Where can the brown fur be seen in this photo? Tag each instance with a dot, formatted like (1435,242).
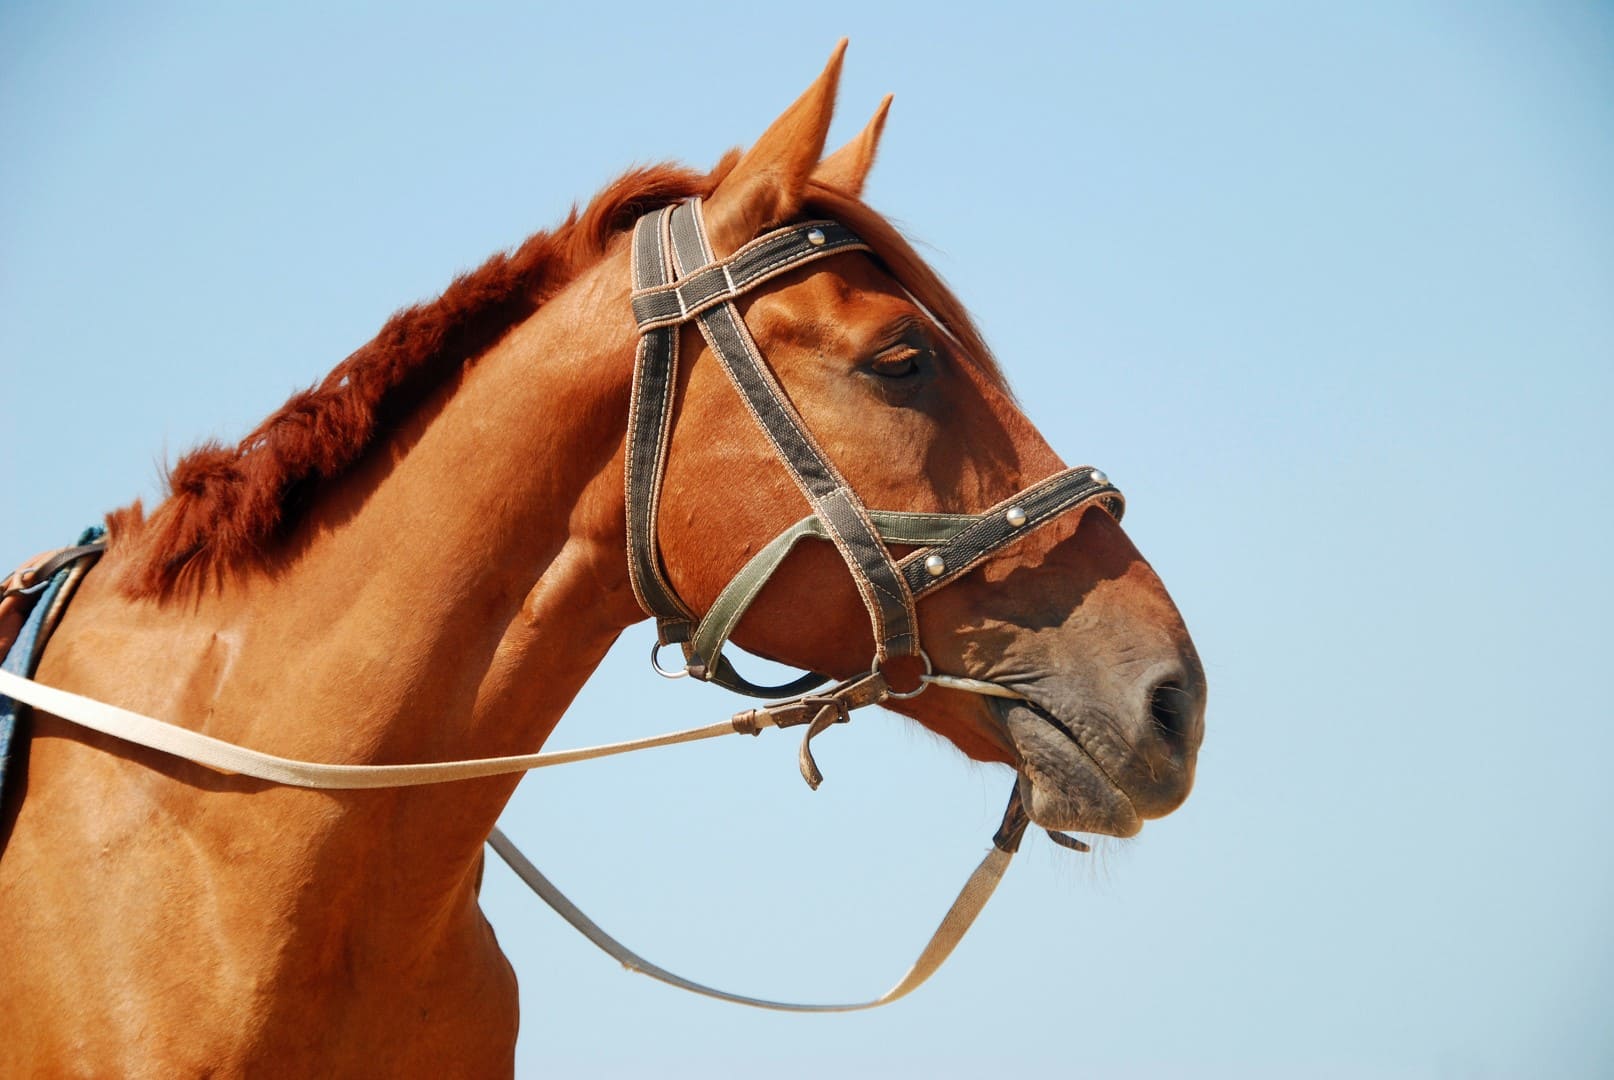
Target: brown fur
(907,267)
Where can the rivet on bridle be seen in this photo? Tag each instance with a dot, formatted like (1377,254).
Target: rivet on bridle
(1098,477)
(934,566)
(815,237)
(1015,516)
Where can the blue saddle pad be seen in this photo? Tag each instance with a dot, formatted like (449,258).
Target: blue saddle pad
(23,658)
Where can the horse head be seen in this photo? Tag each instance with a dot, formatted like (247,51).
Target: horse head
(893,382)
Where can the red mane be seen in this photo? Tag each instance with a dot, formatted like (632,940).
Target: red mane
(227,505)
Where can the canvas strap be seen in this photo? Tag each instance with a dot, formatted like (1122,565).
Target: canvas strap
(655,377)
(677,280)
(954,925)
(960,541)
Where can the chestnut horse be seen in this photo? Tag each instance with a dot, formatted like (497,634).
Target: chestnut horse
(422,558)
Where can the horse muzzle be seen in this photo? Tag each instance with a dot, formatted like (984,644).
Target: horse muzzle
(1105,759)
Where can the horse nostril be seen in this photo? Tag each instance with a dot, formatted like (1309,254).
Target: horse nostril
(1171,708)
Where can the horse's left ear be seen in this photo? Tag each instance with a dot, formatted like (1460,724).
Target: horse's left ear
(766,187)
(847,168)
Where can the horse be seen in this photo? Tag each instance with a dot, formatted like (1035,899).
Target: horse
(422,557)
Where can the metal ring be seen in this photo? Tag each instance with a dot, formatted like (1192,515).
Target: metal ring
(663,672)
(923,684)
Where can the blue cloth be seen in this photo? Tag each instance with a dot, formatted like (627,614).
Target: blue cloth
(23,659)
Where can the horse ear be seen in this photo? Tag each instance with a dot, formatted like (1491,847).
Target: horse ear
(766,187)
(847,168)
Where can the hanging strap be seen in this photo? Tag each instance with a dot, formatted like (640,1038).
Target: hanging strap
(954,925)
(816,711)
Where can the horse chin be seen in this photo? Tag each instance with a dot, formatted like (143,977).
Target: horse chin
(1061,784)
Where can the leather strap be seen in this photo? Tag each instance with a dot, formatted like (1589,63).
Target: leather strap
(977,890)
(766,257)
(655,377)
(228,757)
(30,579)
(992,530)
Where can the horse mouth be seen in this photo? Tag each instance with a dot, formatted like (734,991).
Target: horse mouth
(1063,783)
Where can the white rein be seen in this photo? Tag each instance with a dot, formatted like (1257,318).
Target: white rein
(229,757)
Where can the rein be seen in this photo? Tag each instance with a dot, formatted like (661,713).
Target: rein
(228,757)
(677,280)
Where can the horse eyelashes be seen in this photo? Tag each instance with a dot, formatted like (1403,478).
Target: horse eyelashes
(897,363)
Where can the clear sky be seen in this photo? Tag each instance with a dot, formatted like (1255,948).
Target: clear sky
(1328,289)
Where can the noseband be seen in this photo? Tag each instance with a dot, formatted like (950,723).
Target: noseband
(677,280)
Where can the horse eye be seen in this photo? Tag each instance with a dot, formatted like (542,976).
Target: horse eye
(896,363)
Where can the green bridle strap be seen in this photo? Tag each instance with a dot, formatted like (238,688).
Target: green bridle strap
(893,527)
(946,547)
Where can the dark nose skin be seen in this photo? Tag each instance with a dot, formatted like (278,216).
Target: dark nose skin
(1176,711)
(1166,730)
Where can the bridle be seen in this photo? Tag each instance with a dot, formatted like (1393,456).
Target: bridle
(677,280)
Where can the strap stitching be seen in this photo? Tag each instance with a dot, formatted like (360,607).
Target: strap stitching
(775,395)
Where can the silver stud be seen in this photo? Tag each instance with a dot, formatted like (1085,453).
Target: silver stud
(934,566)
(1015,516)
(1099,478)
(815,237)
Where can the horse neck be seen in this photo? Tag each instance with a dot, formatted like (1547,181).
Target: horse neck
(469,576)
(446,599)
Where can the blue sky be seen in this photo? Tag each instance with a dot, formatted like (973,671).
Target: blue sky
(1328,290)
